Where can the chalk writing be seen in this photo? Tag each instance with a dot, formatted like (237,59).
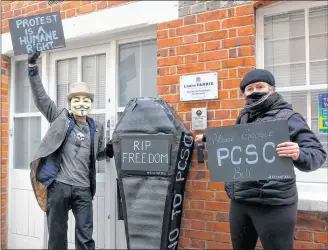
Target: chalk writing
(251,157)
(217,139)
(256,135)
(146,157)
(151,155)
(242,173)
(40,32)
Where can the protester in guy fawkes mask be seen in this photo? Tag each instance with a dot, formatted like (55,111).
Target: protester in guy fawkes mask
(267,209)
(63,174)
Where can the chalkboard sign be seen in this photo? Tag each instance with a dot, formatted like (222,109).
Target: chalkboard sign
(248,152)
(39,32)
(146,154)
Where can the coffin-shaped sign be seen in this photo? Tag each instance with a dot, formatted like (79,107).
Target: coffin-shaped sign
(152,151)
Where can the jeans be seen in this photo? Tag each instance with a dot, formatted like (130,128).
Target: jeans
(62,198)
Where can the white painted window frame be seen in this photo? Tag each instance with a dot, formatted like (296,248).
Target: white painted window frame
(312,186)
(125,41)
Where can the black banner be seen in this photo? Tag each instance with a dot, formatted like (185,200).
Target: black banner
(179,181)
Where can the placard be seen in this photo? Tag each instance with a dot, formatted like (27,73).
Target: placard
(198,118)
(39,32)
(248,152)
(199,87)
(150,154)
(323,113)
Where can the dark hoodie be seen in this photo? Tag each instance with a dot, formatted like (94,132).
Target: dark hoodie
(312,157)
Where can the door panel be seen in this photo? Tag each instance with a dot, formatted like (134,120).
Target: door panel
(26,219)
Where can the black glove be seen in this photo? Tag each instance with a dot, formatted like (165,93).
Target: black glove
(109,149)
(33,57)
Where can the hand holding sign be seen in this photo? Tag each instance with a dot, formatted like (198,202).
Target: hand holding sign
(289,149)
(32,58)
(199,138)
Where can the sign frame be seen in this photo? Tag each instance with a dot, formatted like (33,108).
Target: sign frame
(202,86)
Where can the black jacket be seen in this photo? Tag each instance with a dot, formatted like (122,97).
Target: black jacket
(282,192)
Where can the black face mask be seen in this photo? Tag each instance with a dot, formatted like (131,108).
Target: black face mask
(255,97)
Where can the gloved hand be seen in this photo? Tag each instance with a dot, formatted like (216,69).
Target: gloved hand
(33,57)
(109,149)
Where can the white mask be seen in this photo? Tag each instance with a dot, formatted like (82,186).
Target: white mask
(81,105)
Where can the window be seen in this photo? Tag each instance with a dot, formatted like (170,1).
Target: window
(94,73)
(293,45)
(27,119)
(66,75)
(137,70)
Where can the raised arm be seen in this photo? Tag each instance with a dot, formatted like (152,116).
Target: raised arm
(41,99)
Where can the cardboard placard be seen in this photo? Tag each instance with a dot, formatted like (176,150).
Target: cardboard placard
(247,152)
(40,32)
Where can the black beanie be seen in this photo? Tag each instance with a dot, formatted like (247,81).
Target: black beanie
(257,75)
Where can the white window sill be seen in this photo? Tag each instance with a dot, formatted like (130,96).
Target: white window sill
(312,196)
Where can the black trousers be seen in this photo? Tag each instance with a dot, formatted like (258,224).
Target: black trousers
(274,225)
(62,198)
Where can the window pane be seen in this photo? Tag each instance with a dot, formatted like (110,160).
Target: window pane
(284,48)
(314,120)
(94,73)
(100,165)
(149,69)
(66,75)
(27,138)
(298,101)
(288,75)
(318,29)
(22,93)
(137,70)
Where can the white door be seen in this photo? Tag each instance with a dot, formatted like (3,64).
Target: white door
(88,65)
(136,76)
(26,220)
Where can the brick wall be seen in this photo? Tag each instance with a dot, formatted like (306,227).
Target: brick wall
(4,145)
(68,9)
(223,41)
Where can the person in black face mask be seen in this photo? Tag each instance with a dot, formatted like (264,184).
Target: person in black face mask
(268,209)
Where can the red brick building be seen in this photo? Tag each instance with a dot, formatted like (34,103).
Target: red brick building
(230,38)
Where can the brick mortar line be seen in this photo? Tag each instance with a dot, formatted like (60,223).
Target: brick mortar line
(207,31)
